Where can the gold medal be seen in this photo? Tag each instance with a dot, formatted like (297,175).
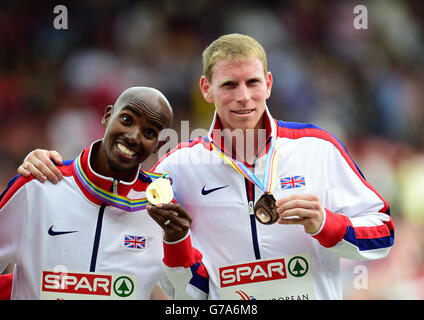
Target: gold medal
(265,209)
(159,191)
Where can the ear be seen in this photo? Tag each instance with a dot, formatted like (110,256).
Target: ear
(268,81)
(205,87)
(107,115)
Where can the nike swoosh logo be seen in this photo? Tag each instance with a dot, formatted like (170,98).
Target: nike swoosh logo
(58,233)
(205,192)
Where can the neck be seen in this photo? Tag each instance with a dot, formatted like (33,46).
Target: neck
(245,144)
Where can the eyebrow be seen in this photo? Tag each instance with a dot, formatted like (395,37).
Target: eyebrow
(232,81)
(133,110)
(228,82)
(156,124)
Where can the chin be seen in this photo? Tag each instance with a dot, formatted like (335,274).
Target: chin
(116,166)
(245,125)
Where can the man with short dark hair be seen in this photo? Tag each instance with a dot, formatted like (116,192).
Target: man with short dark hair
(89,236)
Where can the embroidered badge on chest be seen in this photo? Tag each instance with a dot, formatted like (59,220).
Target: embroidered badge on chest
(292,182)
(134,242)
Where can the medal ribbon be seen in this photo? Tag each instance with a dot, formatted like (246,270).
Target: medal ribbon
(268,181)
(108,197)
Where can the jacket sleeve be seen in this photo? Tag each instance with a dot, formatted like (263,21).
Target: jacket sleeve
(357,222)
(187,277)
(6,281)
(13,213)
(184,269)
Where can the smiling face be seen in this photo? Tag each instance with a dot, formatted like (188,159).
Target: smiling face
(132,131)
(239,90)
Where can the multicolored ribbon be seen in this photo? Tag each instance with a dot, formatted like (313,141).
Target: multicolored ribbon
(108,197)
(268,181)
(154,175)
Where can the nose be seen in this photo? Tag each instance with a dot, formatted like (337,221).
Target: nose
(243,94)
(134,135)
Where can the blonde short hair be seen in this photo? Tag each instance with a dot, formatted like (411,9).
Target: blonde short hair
(235,47)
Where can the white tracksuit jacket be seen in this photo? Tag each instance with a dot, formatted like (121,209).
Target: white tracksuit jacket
(64,240)
(245,259)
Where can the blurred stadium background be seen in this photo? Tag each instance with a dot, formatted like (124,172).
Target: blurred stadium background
(365,86)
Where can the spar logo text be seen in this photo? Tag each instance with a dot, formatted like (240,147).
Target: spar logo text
(81,283)
(252,272)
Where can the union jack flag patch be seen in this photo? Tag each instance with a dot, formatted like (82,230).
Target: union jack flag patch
(292,182)
(134,242)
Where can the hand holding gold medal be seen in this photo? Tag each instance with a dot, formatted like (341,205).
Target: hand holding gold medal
(172,217)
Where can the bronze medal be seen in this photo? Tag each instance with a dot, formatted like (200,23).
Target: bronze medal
(265,209)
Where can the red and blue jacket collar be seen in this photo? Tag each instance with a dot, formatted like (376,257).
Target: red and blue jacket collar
(104,182)
(102,189)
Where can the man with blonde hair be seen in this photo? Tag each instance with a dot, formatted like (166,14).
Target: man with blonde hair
(300,176)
